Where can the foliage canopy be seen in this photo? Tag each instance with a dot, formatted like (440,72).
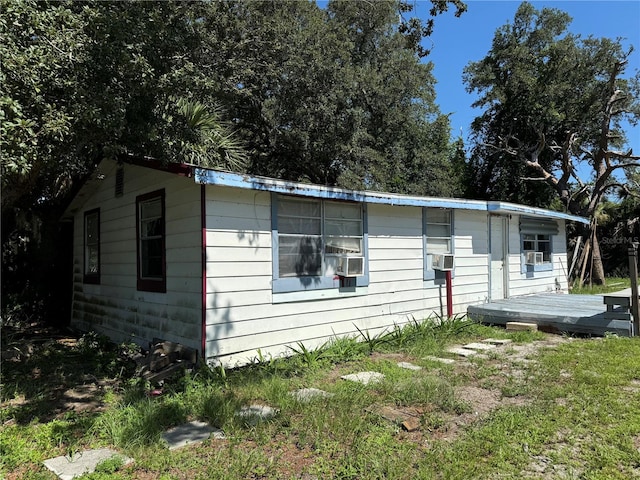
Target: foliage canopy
(336,96)
(553,103)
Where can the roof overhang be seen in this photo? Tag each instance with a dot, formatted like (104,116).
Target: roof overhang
(215,177)
(507,208)
(207,176)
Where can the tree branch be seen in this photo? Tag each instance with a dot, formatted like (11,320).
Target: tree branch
(534,179)
(625,156)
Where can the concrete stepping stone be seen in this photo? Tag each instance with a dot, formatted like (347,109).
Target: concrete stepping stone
(365,378)
(409,366)
(463,352)
(479,346)
(446,361)
(254,414)
(190,433)
(68,467)
(497,341)
(305,395)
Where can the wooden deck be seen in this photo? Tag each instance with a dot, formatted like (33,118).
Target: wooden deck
(584,314)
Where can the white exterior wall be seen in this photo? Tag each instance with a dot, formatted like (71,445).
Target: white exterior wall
(243,314)
(555,280)
(115,307)
(471,249)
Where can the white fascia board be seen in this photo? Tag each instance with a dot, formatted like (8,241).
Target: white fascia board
(214,177)
(514,208)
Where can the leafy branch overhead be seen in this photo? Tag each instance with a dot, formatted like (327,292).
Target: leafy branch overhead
(287,89)
(205,138)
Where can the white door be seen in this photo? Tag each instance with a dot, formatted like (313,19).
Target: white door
(498,277)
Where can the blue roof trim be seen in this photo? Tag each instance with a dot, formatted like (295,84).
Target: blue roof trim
(506,207)
(214,177)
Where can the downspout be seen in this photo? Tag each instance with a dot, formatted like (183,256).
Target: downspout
(203,227)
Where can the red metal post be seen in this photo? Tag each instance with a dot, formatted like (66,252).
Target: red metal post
(449,295)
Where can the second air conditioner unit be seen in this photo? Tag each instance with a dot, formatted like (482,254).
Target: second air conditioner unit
(443,261)
(533,258)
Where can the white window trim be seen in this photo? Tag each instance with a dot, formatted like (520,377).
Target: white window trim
(543,267)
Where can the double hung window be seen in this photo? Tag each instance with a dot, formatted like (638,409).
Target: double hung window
(437,227)
(310,237)
(536,240)
(151,242)
(92,246)
(538,243)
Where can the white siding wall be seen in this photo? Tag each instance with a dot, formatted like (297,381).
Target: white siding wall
(115,307)
(539,282)
(471,281)
(243,315)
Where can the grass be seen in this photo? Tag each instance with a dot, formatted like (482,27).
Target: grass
(613,284)
(565,412)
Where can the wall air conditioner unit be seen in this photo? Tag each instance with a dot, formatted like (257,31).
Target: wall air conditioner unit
(350,266)
(533,258)
(444,262)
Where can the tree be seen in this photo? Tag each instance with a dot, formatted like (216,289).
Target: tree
(317,94)
(336,96)
(81,82)
(553,102)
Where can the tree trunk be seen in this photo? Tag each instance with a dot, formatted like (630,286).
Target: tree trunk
(597,268)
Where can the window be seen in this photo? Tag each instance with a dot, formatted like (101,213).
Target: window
(310,237)
(92,246)
(151,242)
(536,239)
(437,227)
(538,243)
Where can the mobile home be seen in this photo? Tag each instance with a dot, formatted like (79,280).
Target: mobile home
(228,264)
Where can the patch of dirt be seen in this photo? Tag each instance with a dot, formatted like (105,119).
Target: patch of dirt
(508,363)
(48,373)
(392,357)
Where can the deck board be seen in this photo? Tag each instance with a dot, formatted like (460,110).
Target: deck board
(566,313)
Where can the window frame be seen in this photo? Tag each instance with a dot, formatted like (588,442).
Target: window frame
(545,266)
(537,227)
(91,277)
(315,282)
(151,284)
(428,272)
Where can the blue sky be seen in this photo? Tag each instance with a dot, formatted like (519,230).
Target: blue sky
(458,41)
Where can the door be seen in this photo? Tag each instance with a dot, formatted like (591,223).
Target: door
(498,272)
